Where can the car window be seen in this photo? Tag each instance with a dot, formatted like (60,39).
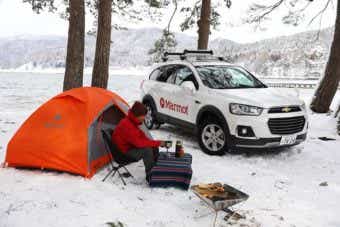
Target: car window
(155,74)
(166,73)
(171,75)
(184,73)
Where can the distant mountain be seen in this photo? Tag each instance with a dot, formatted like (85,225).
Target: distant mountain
(128,48)
(37,51)
(299,55)
(303,55)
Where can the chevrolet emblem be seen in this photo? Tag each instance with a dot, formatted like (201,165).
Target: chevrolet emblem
(286,109)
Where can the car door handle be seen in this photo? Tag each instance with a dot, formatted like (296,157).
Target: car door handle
(197,102)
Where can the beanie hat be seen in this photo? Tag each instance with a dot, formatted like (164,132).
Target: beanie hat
(138,109)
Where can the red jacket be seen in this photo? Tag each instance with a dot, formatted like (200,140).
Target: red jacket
(127,135)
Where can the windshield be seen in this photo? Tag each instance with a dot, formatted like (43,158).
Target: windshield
(227,77)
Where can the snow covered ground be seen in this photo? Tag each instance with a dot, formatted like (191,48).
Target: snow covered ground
(283,185)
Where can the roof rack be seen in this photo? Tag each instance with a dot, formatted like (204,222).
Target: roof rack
(167,54)
(172,53)
(199,54)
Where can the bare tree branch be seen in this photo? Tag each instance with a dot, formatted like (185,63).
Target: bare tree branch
(172,16)
(304,8)
(265,10)
(259,12)
(189,20)
(320,13)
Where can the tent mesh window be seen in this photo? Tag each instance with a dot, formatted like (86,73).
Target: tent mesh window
(108,119)
(112,115)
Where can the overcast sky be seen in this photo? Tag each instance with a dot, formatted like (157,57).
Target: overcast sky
(17,18)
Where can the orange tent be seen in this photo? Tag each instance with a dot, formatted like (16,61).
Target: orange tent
(64,133)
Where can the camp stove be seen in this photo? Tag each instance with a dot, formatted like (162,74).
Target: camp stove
(222,200)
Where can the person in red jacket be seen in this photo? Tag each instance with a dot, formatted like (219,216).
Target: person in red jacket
(132,141)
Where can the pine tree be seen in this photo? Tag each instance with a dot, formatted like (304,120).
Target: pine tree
(102,10)
(100,73)
(105,8)
(205,15)
(204,25)
(328,86)
(75,46)
(167,42)
(202,14)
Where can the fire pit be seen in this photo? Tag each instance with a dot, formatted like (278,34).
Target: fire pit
(219,197)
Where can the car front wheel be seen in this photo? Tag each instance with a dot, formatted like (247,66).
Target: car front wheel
(212,137)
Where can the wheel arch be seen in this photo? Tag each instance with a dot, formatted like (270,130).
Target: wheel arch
(212,111)
(148,98)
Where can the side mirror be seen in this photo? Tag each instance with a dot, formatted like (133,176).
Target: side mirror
(189,86)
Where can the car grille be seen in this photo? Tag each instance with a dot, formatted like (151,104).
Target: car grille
(284,109)
(285,126)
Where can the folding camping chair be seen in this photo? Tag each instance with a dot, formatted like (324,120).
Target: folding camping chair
(116,157)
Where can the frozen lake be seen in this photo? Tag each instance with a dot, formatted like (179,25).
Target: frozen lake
(29,90)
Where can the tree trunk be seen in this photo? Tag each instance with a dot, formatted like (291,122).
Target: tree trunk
(204,25)
(329,84)
(100,72)
(75,46)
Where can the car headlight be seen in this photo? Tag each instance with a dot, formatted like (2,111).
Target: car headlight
(240,109)
(303,106)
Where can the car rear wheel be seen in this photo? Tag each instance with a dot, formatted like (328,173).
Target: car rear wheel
(212,137)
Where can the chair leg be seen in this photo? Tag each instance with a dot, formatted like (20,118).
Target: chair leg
(115,170)
(109,173)
(121,177)
(114,173)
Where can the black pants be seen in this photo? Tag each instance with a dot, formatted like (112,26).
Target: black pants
(149,156)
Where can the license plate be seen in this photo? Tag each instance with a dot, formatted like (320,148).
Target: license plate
(288,140)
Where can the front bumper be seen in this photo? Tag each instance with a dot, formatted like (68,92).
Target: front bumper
(264,142)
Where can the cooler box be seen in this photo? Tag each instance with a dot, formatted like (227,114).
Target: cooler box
(170,171)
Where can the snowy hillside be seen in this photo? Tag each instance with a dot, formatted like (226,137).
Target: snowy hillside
(129,48)
(301,55)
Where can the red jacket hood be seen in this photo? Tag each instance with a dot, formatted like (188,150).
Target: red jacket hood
(133,118)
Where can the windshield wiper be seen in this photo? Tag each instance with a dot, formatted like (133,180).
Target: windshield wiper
(261,86)
(244,86)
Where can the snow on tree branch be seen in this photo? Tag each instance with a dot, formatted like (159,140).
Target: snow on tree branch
(259,12)
(166,42)
(40,5)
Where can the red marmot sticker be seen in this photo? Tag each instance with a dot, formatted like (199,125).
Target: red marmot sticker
(173,107)
(162,102)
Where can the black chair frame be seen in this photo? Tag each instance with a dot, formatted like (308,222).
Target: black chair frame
(115,157)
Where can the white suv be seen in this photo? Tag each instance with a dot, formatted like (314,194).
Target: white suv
(223,103)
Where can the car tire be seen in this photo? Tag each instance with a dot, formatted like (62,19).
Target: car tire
(212,137)
(150,121)
(157,125)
